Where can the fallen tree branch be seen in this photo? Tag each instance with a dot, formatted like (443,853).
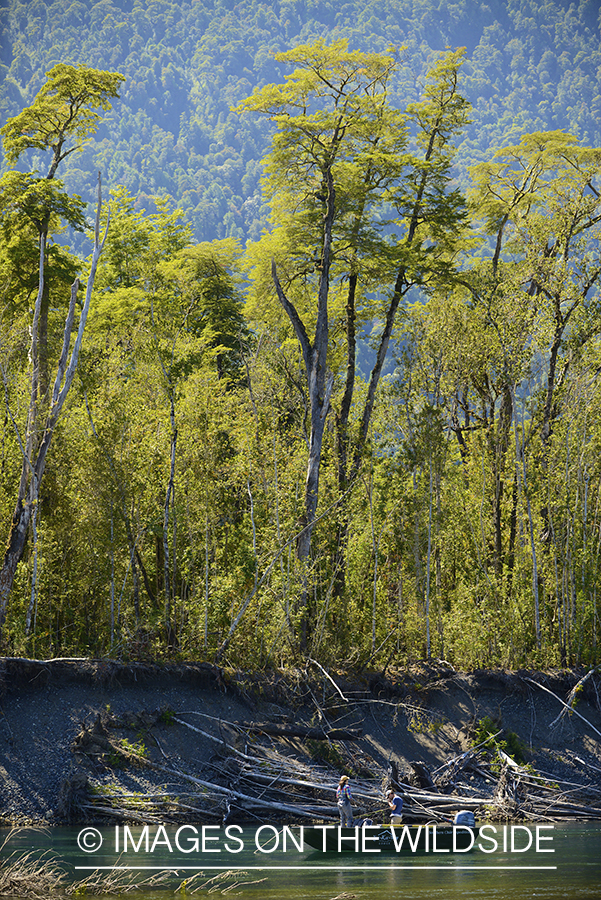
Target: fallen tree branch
(559,700)
(130,815)
(299,811)
(335,734)
(328,676)
(216,740)
(569,706)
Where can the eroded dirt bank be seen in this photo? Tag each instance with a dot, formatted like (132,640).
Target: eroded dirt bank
(96,740)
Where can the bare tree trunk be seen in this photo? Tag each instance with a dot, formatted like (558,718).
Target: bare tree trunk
(31,611)
(112,590)
(14,552)
(417,557)
(127,520)
(34,461)
(169,630)
(522,477)
(320,384)
(429,565)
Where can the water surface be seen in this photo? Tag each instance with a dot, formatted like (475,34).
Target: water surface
(571,872)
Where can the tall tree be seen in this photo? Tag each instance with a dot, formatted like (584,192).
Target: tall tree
(329,117)
(541,201)
(342,159)
(509,335)
(62,116)
(59,122)
(178,311)
(430,218)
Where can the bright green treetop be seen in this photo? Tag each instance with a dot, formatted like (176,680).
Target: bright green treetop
(63,110)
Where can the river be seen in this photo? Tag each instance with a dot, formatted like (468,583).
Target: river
(564,861)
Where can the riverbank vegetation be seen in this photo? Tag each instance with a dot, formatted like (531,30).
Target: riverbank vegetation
(189,743)
(30,876)
(370,436)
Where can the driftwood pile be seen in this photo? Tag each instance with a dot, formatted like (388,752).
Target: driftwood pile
(252,777)
(515,792)
(243,787)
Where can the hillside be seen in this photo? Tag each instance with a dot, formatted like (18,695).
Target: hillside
(369,437)
(531,66)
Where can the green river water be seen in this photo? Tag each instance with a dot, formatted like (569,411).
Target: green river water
(571,872)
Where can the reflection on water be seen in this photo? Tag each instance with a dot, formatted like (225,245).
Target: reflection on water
(571,872)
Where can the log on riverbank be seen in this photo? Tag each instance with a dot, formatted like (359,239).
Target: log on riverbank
(272,746)
(267,784)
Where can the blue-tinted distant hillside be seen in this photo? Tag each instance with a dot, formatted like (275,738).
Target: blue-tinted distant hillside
(532,66)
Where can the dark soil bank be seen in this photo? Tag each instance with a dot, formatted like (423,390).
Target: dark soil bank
(94,741)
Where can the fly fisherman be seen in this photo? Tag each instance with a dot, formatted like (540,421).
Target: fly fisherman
(343,799)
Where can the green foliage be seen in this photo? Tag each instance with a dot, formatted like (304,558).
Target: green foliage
(486,733)
(151,271)
(532,66)
(63,110)
(491,736)
(180,466)
(167,716)
(422,723)
(39,201)
(327,752)
(131,748)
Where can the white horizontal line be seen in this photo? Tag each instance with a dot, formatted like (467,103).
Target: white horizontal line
(306,868)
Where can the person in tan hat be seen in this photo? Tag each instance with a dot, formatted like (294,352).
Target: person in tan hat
(344,800)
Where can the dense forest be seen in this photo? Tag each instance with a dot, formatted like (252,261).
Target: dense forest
(532,65)
(329,386)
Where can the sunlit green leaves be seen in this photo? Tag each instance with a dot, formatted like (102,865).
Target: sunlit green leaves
(39,199)
(63,110)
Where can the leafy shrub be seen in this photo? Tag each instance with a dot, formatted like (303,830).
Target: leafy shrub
(490,735)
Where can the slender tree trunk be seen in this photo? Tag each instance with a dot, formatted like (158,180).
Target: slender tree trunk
(127,520)
(167,581)
(428,565)
(112,590)
(438,563)
(136,586)
(549,409)
(43,342)
(513,521)
(206,623)
(339,584)
(33,601)
(417,556)
(522,476)
(35,449)
(320,388)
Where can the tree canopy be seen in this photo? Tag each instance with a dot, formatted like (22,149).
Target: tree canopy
(370,435)
(532,66)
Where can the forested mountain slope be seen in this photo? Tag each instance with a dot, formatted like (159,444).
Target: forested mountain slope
(268,452)
(532,65)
